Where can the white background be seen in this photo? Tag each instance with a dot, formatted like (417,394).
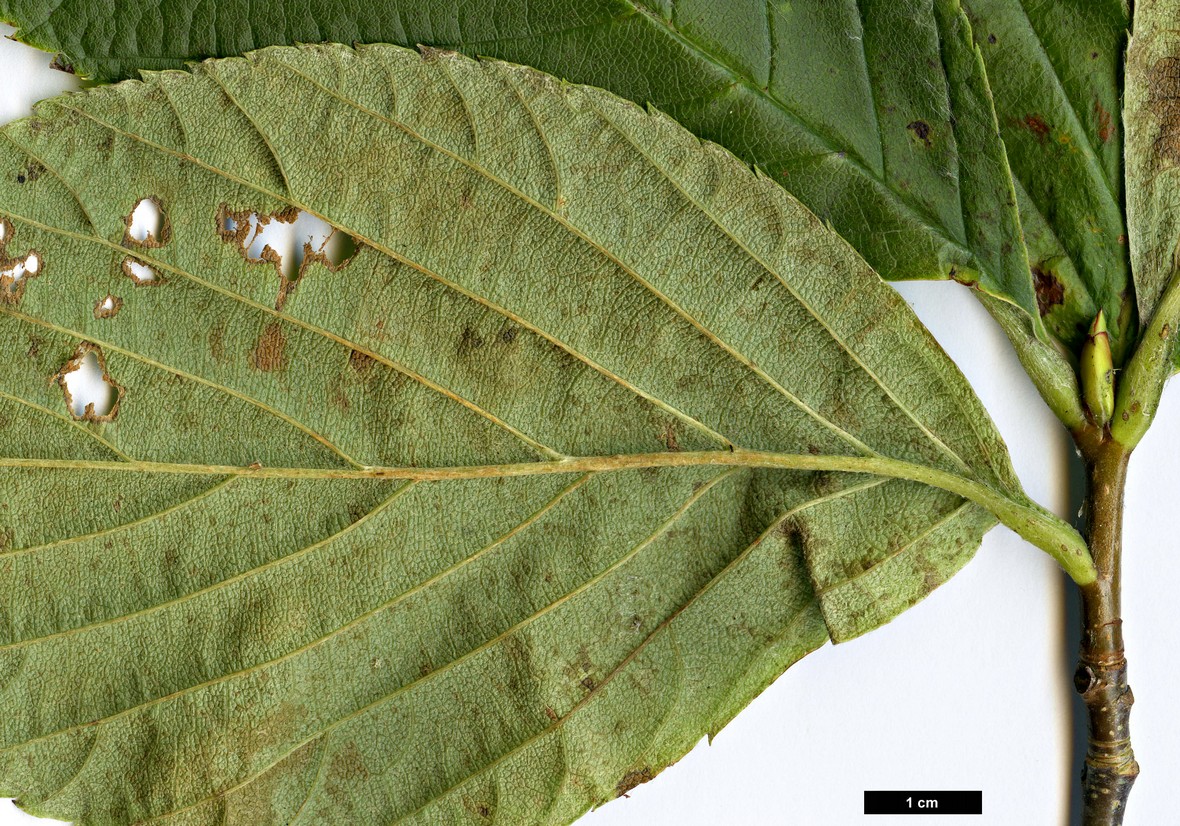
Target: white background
(970,689)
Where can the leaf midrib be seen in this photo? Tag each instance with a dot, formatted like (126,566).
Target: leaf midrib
(1028,519)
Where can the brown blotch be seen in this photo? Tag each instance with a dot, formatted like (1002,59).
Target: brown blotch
(1049,289)
(633,778)
(1036,124)
(668,437)
(103,311)
(75,363)
(62,64)
(360,362)
(1102,117)
(991,38)
(217,341)
(151,241)
(920,130)
(480,808)
(469,342)
(270,352)
(508,334)
(12,289)
(33,170)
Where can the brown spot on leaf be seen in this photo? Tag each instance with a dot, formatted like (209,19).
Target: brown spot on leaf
(361,362)
(469,342)
(920,130)
(62,64)
(1036,124)
(1049,289)
(991,38)
(1102,117)
(633,778)
(509,334)
(668,437)
(217,341)
(270,351)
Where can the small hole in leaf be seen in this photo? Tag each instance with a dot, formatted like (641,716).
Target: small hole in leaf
(30,265)
(147,225)
(108,307)
(289,240)
(89,392)
(15,273)
(141,273)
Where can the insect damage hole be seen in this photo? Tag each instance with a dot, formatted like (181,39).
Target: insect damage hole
(289,239)
(148,225)
(141,273)
(90,393)
(108,307)
(15,273)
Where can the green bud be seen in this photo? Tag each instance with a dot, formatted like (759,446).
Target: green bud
(1097,372)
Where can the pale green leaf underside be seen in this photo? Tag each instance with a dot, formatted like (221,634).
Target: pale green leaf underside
(597,433)
(1153,150)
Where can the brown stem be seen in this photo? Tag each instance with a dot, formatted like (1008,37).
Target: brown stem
(1101,678)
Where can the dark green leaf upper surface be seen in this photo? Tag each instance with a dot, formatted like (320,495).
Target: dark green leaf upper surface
(1055,70)
(595,434)
(876,114)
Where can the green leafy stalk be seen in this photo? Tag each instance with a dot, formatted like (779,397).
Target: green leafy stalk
(1141,384)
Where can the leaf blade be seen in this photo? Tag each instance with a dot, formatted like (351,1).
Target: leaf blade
(474,288)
